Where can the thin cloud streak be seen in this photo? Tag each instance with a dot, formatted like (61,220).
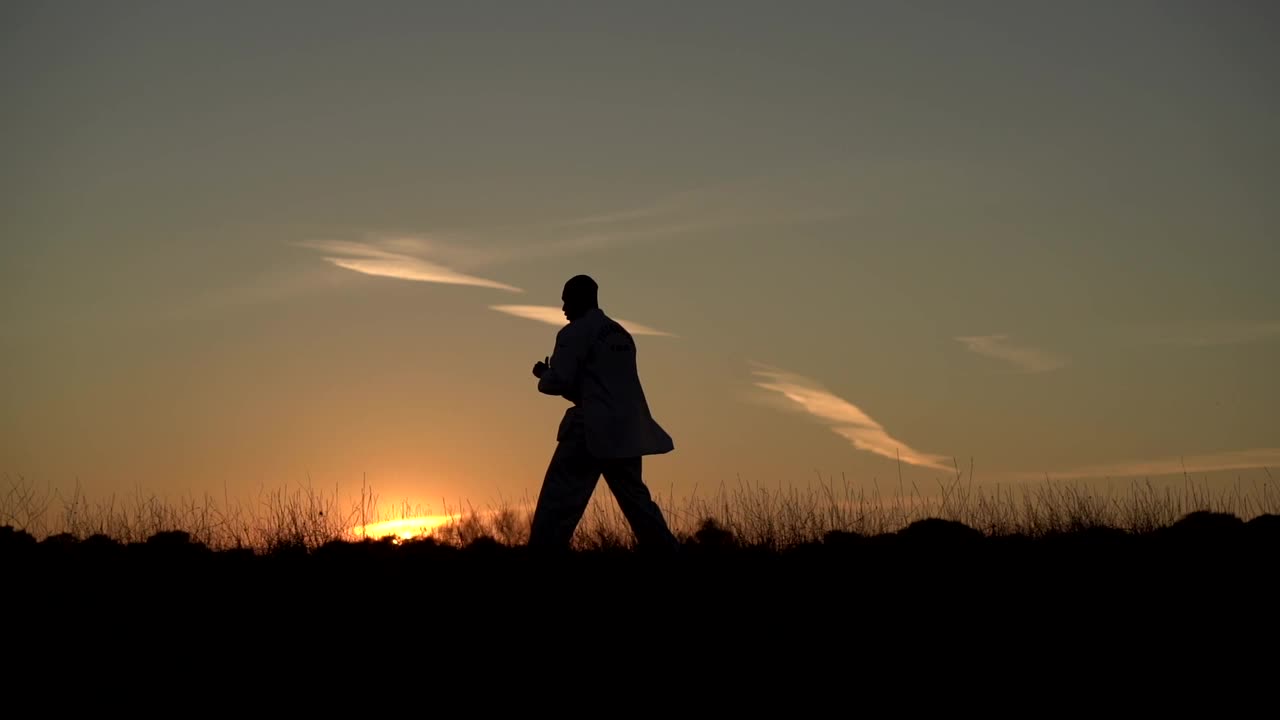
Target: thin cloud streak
(1228,333)
(602,236)
(631,214)
(552,315)
(1212,462)
(370,259)
(592,240)
(683,213)
(691,198)
(1026,359)
(846,419)
(271,286)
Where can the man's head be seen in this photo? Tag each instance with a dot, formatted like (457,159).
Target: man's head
(579,296)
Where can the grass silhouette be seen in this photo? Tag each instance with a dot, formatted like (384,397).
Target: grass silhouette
(1028,578)
(756,517)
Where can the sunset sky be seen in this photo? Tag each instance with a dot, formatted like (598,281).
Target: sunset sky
(244,244)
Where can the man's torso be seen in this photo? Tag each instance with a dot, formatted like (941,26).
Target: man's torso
(609,402)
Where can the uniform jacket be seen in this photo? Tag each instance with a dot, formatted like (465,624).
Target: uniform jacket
(594,367)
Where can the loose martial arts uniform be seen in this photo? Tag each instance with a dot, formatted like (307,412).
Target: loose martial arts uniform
(606,432)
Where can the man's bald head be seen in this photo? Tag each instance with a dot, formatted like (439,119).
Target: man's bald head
(581,294)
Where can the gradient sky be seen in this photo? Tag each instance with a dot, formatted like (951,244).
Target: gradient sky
(248,243)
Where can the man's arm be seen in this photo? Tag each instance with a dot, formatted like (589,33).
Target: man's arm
(561,376)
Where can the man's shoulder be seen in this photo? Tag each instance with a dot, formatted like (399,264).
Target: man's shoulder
(608,327)
(592,327)
(574,331)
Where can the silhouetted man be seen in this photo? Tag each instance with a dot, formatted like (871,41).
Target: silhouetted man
(606,431)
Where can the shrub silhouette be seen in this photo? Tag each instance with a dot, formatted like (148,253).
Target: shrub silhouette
(14,541)
(711,534)
(484,545)
(1264,527)
(937,533)
(843,539)
(1209,523)
(63,544)
(1203,531)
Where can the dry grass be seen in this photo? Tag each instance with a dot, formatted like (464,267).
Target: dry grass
(303,517)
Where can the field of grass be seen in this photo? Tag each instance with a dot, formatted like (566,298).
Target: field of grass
(756,517)
(1031,576)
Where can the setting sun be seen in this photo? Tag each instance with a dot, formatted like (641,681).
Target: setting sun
(403,529)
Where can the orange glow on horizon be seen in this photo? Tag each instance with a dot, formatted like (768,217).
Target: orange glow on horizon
(404,528)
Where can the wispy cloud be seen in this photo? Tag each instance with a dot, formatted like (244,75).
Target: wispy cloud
(552,315)
(1026,359)
(685,213)
(1210,462)
(667,205)
(388,258)
(642,225)
(487,249)
(268,286)
(1223,333)
(844,418)
(468,256)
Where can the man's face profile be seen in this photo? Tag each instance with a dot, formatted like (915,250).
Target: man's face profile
(573,307)
(578,298)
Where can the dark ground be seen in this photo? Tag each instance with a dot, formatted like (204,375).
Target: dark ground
(931,601)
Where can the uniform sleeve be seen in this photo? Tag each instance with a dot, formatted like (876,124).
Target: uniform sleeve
(561,378)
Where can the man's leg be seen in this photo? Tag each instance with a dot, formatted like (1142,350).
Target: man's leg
(643,514)
(566,490)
